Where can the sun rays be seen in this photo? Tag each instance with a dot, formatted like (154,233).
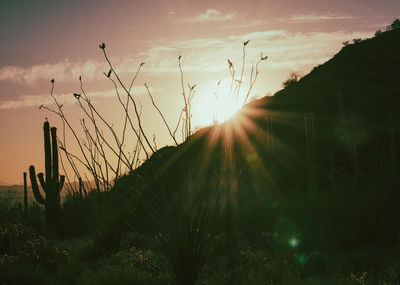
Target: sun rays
(216,106)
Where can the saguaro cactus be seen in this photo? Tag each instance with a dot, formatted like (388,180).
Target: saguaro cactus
(53,182)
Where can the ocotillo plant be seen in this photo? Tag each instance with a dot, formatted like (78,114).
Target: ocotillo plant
(53,183)
(101,141)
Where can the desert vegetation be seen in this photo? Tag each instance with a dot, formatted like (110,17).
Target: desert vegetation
(297,188)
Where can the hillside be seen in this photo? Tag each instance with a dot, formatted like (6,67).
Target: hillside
(315,164)
(353,101)
(365,74)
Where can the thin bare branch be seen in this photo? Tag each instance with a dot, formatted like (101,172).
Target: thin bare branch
(161,114)
(130,96)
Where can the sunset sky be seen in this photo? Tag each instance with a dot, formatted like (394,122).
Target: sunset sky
(41,40)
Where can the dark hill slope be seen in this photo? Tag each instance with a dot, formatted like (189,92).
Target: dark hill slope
(337,129)
(367,75)
(354,100)
(319,158)
(352,103)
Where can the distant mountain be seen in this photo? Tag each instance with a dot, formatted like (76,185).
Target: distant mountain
(2,183)
(15,191)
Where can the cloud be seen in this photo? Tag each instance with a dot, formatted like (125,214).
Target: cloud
(244,24)
(285,50)
(211,15)
(64,71)
(313,17)
(203,59)
(35,100)
(67,71)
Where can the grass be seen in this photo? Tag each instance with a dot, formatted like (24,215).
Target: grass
(125,245)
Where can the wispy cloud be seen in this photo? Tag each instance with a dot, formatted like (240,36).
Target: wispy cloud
(67,71)
(211,15)
(314,17)
(285,50)
(244,25)
(203,59)
(64,71)
(35,100)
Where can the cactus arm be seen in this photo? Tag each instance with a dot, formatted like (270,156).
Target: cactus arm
(62,180)
(47,154)
(35,187)
(42,182)
(59,185)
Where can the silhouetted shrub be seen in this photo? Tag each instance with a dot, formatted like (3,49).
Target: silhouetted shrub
(378,33)
(394,25)
(13,238)
(292,79)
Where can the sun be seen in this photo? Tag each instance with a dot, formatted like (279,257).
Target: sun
(226,106)
(215,105)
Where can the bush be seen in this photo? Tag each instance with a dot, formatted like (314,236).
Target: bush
(132,266)
(378,33)
(292,79)
(394,25)
(74,217)
(13,238)
(20,245)
(10,210)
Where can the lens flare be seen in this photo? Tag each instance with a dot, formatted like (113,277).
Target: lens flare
(293,242)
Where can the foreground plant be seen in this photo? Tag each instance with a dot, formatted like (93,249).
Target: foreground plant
(53,183)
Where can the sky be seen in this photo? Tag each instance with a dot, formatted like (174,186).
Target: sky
(51,39)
